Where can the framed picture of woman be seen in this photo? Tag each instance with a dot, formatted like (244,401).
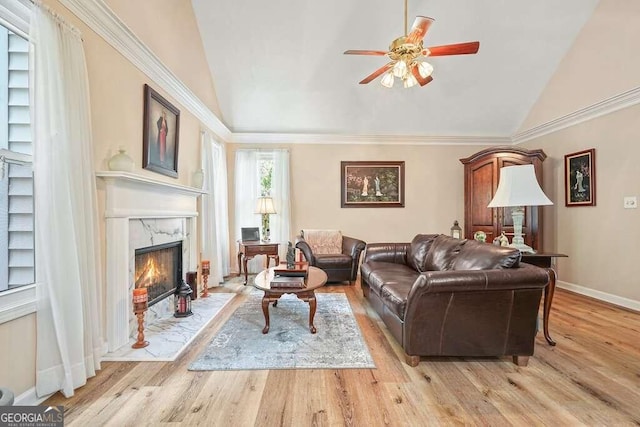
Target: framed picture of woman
(372,184)
(161,130)
(580,178)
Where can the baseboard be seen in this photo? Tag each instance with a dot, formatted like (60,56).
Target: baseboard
(30,398)
(599,295)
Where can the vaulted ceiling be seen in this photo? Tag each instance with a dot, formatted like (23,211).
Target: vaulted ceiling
(278,66)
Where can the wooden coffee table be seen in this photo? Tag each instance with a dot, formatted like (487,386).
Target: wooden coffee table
(316,279)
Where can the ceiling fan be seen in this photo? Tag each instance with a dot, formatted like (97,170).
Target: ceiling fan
(407,55)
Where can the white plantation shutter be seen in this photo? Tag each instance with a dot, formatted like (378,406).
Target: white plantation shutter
(16,183)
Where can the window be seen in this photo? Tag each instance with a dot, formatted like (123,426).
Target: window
(16,176)
(265,173)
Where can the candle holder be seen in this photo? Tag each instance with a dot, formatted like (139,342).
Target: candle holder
(205,278)
(140,299)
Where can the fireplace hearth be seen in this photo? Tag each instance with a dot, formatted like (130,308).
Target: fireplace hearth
(159,269)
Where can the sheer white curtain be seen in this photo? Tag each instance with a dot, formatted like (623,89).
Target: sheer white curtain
(247,190)
(280,223)
(215,213)
(69,340)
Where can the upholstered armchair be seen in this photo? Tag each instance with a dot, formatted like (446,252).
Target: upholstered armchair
(329,250)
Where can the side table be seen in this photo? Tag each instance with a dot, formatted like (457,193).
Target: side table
(542,259)
(248,249)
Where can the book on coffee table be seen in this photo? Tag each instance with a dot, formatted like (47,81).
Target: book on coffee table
(287,282)
(300,269)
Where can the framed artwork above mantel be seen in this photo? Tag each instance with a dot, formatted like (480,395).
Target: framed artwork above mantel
(160,134)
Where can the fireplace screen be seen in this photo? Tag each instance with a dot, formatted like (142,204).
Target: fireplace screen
(159,269)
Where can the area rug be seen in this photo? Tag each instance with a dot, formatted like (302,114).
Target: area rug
(169,337)
(241,345)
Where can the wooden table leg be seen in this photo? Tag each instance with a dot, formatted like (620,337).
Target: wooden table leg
(240,265)
(548,299)
(312,312)
(246,270)
(265,311)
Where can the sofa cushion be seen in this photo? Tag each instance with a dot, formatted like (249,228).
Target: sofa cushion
(442,253)
(484,256)
(323,241)
(417,254)
(328,261)
(379,274)
(394,297)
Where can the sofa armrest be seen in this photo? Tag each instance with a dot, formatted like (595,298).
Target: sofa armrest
(387,252)
(522,277)
(306,250)
(352,247)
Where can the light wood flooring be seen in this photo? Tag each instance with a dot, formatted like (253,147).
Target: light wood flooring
(592,377)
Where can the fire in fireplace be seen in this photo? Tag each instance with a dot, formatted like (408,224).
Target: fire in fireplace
(159,269)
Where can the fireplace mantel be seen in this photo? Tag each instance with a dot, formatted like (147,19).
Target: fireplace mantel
(132,197)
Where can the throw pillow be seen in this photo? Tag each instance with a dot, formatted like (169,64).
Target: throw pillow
(323,241)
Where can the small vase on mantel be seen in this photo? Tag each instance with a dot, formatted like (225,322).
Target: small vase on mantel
(121,161)
(198,178)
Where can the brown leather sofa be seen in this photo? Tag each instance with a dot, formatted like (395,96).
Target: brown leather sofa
(441,296)
(340,267)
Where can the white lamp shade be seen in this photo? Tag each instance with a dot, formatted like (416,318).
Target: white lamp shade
(518,186)
(265,206)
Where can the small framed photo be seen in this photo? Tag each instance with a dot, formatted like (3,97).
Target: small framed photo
(161,130)
(580,178)
(372,184)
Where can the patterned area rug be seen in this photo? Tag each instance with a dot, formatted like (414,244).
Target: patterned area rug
(241,345)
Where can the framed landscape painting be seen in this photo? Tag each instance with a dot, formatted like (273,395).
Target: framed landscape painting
(372,184)
(160,133)
(580,178)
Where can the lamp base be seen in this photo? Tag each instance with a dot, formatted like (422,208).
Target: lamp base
(523,248)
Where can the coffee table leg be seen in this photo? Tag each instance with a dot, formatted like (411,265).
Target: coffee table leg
(312,313)
(265,311)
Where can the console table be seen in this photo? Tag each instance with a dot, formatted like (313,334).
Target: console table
(542,259)
(248,249)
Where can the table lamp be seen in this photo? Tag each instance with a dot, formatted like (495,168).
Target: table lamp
(266,208)
(518,187)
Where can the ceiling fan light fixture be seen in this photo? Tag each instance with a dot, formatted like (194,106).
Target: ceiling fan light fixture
(388,79)
(400,69)
(425,69)
(410,81)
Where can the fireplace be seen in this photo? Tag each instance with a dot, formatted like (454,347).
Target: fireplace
(159,269)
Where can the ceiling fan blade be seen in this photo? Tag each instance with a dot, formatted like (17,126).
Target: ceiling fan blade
(375,74)
(455,49)
(419,29)
(422,81)
(365,52)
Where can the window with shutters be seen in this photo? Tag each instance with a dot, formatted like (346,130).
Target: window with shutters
(16,176)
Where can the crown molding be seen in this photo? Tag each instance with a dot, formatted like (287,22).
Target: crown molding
(334,139)
(101,19)
(606,106)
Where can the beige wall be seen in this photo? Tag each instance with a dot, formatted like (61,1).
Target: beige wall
(601,63)
(18,360)
(434,195)
(602,241)
(116,89)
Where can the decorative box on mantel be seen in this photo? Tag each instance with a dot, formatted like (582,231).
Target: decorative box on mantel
(152,206)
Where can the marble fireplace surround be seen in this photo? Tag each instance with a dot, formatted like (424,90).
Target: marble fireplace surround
(139,212)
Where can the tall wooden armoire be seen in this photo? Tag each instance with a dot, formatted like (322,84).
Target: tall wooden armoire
(481,175)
